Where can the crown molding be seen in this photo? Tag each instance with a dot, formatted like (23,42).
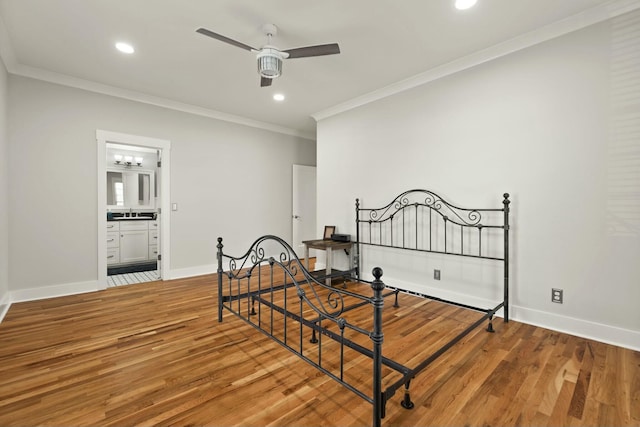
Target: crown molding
(7,56)
(576,22)
(66,80)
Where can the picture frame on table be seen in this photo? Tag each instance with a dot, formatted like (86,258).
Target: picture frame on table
(328,231)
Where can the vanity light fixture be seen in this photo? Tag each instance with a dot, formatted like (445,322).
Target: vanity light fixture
(127,161)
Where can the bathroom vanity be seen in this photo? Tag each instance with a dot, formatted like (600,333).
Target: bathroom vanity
(132,240)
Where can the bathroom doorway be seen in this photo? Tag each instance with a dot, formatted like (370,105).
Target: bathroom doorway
(133,195)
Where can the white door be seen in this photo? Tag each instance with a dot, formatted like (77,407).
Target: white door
(304,207)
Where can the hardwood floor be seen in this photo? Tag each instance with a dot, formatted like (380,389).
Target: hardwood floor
(154,354)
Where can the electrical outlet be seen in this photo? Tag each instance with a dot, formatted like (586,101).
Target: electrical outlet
(556,295)
(436,274)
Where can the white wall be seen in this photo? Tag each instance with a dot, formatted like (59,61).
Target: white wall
(556,125)
(4,191)
(228,180)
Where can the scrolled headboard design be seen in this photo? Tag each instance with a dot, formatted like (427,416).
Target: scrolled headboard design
(421,220)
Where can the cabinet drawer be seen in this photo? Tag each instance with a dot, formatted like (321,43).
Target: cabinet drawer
(153,225)
(133,225)
(113,226)
(153,237)
(113,256)
(113,239)
(153,252)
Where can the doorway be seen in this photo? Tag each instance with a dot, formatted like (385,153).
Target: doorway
(304,207)
(133,229)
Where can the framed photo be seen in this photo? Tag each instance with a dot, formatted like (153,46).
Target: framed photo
(328,231)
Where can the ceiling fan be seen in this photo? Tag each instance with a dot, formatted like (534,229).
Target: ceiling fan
(270,57)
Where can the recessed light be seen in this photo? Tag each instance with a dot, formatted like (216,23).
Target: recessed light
(465,4)
(278,97)
(125,47)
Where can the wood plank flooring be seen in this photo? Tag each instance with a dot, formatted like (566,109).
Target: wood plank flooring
(154,354)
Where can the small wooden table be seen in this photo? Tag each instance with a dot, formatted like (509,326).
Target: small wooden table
(327,245)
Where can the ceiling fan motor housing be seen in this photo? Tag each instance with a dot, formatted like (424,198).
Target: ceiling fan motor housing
(270,62)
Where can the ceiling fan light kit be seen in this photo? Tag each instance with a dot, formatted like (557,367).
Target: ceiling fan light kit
(270,57)
(270,62)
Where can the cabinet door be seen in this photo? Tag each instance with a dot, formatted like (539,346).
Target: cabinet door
(134,246)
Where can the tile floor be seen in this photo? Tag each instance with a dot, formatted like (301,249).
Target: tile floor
(132,278)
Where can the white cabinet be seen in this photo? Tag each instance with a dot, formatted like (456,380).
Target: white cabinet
(153,252)
(134,246)
(113,243)
(153,242)
(130,242)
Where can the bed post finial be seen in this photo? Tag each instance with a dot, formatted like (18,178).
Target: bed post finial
(377,337)
(377,273)
(219,246)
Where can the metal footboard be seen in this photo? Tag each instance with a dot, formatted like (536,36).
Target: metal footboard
(269,288)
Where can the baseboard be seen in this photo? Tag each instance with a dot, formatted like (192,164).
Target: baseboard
(5,304)
(582,328)
(54,291)
(200,270)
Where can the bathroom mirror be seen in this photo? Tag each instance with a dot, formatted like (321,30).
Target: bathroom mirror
(130,189)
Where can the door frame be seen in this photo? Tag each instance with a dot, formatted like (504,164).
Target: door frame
(297,171)
(103,137)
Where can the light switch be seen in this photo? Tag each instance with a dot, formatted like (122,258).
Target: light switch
(174,206)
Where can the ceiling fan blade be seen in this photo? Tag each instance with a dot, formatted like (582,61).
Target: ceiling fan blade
(265,82)
(319,50)
(222,38)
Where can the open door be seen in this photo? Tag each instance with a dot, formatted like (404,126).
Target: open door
(304,207)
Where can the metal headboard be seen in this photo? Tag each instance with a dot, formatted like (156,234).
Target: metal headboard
(421,220)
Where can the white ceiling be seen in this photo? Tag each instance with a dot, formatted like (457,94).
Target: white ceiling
(384,44)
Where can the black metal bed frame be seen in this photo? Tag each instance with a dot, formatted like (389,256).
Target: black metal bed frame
(291,302)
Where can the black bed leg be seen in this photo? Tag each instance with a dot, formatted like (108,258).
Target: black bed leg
(314,339)
(253,307)
(406,401)
(490,326)
(395,304)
